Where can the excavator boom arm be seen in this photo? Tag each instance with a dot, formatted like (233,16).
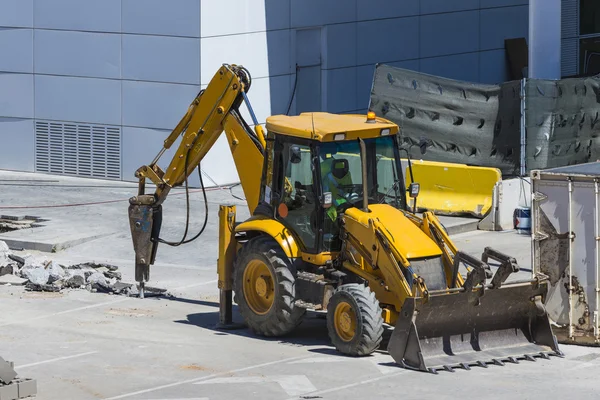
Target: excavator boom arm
(213,111)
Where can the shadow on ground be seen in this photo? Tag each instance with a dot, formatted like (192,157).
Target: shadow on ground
(311,332)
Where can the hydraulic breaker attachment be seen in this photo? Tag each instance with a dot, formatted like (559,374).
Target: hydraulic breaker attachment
(477,324)
(145,221)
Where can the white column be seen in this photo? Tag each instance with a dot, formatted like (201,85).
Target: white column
(544,39)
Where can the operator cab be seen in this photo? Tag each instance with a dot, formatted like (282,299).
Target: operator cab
(313,173)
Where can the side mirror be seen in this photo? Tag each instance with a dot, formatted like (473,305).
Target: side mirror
(327,199)
(424,143)
(295,155)
(414,189)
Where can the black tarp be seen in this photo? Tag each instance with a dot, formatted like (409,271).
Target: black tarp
(481,125)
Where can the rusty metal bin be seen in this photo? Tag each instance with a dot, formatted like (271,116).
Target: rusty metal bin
(565,246)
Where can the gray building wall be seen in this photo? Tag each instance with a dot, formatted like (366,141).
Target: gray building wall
(76,67)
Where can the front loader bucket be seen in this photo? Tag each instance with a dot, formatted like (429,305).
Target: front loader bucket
(464,328)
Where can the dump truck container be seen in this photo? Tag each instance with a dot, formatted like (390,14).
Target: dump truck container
(566,239)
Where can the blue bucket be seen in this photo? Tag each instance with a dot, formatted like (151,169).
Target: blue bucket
(522,220)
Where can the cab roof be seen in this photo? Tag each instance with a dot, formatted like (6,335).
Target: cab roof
(326,125)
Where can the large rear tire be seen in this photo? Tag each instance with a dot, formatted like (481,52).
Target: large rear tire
(354,320)
(264,286)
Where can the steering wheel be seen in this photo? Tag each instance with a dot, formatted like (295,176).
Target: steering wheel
(355,189)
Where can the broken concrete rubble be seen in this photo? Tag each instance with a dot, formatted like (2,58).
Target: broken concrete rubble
(12,280)
(12,387)
(36,275)
(56,272)
(7,270)
(39,274)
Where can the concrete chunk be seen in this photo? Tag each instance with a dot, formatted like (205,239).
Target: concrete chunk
(9,392)
(12,280)
(17,259)
(7,373)
(36,275)
(56,272)
(7,270)
(27,388)
(75,281)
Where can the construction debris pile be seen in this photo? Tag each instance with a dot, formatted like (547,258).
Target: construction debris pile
(49,276)
(13,387)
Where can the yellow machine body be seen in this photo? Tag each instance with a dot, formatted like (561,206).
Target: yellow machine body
(331,228)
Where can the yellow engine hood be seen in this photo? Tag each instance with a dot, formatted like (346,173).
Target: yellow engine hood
(410,241)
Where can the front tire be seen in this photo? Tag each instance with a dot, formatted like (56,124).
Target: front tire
(354,320)
(264,286)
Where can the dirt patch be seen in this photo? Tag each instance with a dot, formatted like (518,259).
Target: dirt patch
(196,367)
(131,312)
(41,295)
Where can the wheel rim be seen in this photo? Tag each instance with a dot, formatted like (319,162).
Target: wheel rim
(259,290)
(345,321)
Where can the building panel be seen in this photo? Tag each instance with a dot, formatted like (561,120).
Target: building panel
(498,24)
(502,3)
(307,13)
(16,13)
(493,67)
(156,105)
(444,6)
(73,53)
(383,9)
(340,46)
(161,59)
(78,15)
(90,100)
(403,43)
(17,50)
(263,53)
(16,95)
(250,16)
(19,133)
(340,86)
(160,17)
(451,33)
(463,67)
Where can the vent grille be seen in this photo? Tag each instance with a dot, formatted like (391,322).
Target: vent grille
(570,37)
(76,149)
(570,57)
(570,18)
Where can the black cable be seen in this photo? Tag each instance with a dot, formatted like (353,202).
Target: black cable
(187,202)
(205,210)
(293,91)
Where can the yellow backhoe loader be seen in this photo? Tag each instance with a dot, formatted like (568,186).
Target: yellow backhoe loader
(330,231)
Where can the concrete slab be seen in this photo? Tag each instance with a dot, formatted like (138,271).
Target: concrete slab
(458,225)
(9,392)
(12,280)
(46,239)
(7,373)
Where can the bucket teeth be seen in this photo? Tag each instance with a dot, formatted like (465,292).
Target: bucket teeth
(495,361)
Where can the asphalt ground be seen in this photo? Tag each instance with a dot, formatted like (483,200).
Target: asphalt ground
(82,345)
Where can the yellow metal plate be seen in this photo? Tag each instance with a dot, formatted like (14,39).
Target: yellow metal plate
(323,126)
(454,189)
